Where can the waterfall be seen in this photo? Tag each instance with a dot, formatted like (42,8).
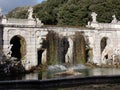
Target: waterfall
(63,49)
(79,48)
(52,48)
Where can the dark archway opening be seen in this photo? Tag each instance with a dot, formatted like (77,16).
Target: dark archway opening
(18,48)
(64,45)
(87,54)
(39,58)
(40,51)
(103,43)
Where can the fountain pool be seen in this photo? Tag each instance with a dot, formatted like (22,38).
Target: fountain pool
(52,73)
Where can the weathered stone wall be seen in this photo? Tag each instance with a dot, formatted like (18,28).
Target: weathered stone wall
(58,41)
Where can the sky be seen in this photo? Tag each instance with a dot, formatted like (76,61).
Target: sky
(39,0)
(8,5)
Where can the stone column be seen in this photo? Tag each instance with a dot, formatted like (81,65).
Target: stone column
(31,52)
(5,41)
(96,49)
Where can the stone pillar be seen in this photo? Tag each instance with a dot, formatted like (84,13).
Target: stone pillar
(5,41)
(31,52)
(96,49)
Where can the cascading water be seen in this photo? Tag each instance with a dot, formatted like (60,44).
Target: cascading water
(65,53)
(79,48)
(62,49)
(65,50)
(52,48)
(56,49)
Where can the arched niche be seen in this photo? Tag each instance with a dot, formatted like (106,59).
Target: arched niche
(18,49)
(103,43)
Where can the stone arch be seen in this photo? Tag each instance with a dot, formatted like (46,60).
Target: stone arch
(106,50)
(64,45)
(103,43)
(41,52)
(39,56)
(18,49)
(41,46)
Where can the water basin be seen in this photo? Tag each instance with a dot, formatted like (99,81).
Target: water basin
(51,73)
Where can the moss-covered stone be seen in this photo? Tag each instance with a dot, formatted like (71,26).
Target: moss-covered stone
(56,48)
(52,47)
(79,48)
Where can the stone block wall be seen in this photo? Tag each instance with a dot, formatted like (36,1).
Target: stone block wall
(34,37)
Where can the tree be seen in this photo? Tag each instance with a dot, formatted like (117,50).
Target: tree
(74,13)
(71,12)
(19,12)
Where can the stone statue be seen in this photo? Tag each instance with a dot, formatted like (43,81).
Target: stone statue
(38,22)
(116,56)
(90,55)
(30,11)
(106,54)
(39,42)
(111,56)
(69,54)
(89,23)
(94,15)
(44,55)
(114,19)
(9,50)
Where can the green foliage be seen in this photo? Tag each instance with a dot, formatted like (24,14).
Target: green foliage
(105,9)
(19,12)
(47,11)
(71,12)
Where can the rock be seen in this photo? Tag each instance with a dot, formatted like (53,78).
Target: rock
(56,67)
(70,71)
(11,67)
